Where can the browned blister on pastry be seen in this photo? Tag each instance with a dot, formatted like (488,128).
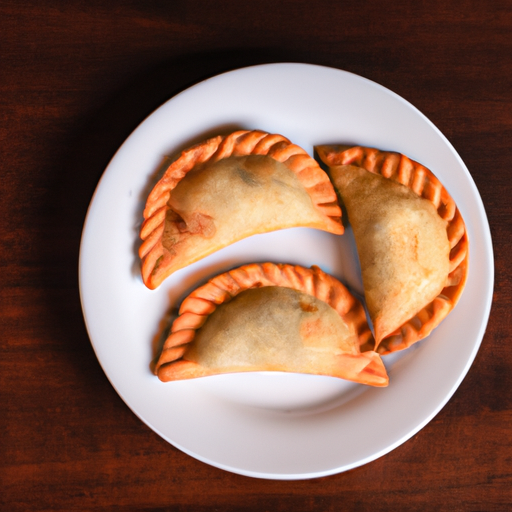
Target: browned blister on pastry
(271,317)
(411,240)
(229,188)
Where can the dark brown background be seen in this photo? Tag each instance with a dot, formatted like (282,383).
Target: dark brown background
(75,79)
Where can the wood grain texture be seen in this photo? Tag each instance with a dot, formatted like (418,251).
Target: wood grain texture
(76,78)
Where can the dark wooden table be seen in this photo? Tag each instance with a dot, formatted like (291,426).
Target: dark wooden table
(76,78)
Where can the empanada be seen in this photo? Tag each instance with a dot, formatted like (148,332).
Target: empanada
(268,317)
(410,237)
(226,189)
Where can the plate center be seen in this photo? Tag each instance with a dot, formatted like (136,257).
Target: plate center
(282,392)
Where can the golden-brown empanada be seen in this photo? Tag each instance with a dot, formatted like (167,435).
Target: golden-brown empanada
(410,237)
(268,317)
(226,189)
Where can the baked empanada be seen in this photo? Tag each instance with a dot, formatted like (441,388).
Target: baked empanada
(226,189)
(268,317)
(410,237)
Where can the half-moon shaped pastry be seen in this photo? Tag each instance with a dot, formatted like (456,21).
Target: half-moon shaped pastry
(226,189)
(411,240)
(268,317)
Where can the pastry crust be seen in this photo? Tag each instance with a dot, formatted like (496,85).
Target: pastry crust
(413,276)
(271,317)
(228,188)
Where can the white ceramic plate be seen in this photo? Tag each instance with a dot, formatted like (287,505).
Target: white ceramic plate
(273,425)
